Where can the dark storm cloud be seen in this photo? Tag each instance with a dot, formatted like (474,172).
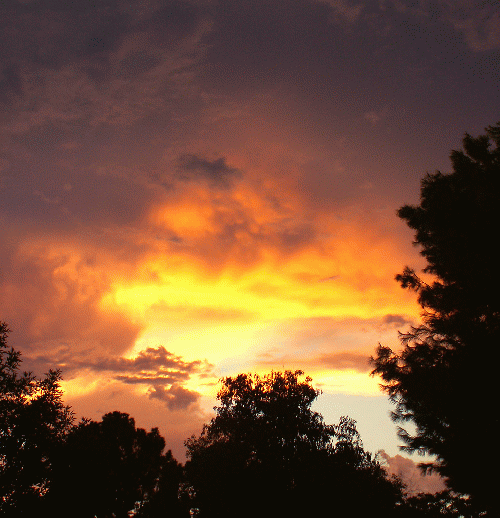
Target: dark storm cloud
(85,66)
(216,171)
(335,67)
(56,33)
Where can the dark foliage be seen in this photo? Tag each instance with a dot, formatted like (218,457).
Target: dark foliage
(108,468)
(440,505)
(267,453)
(33,424)
(443,379)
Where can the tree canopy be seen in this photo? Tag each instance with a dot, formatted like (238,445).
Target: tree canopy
(443,378)
(33,424)
(110,467)
(267,452)
(49,465)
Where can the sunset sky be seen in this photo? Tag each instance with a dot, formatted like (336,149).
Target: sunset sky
(192,189)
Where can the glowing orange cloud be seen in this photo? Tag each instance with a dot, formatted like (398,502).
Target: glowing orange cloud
(203,298)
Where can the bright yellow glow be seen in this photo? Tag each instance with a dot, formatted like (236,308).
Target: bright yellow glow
(262,293)
(81,386)
(234,306)
(346,381)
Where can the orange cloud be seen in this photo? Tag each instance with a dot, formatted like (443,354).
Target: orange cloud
(218,263)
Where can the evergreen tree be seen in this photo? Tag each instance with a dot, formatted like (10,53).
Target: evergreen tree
(443,379)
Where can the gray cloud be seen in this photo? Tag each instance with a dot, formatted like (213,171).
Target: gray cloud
(477,20)
(156,368)
(176,397)
(156,359)
(217,172)
(161,371)
(100,65)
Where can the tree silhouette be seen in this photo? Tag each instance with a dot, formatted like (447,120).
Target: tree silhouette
(110,467)
(267,453)
(165,498)
(443,379)
(440,505)
(33,424)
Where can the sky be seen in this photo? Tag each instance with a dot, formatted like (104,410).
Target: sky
(197,188)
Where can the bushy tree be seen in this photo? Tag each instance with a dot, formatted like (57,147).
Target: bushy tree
(50,467)
(443,379)
(267,453)
(33,424)
(110,467)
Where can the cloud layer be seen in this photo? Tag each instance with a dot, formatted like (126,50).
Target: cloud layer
(191,188)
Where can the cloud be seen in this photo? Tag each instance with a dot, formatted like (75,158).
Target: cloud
(157,360)
(176,397)
(396,321)
(158,370)
(344,360)
(411,475)
(328,344)
(222,225)
(50,291)
(344,10)
(162,311)
(479,22)
(325,330)
(217,172)
(162,372)
(100,66)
